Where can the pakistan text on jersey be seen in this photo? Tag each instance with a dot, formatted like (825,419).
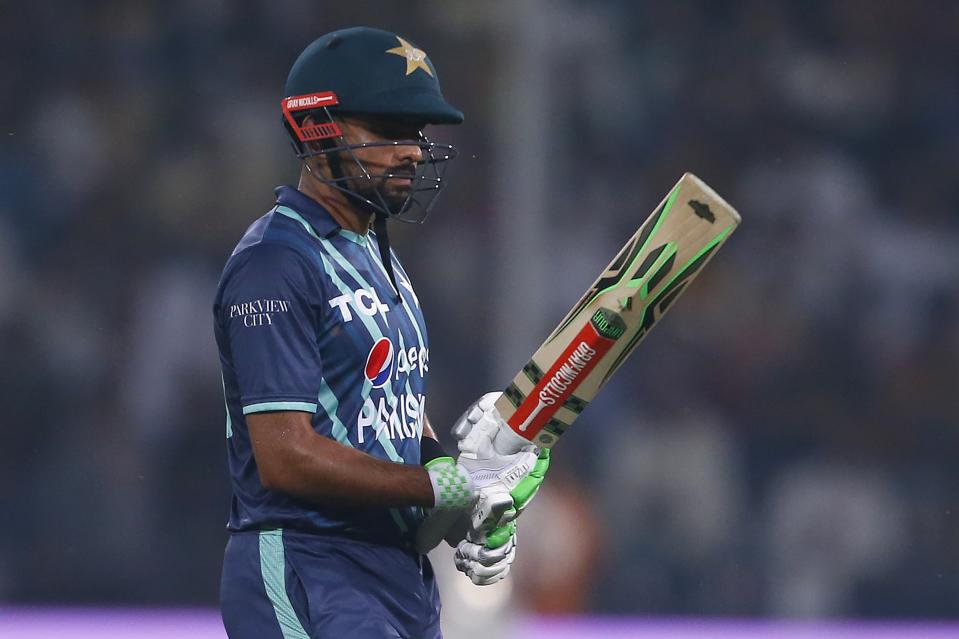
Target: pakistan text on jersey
(258,312)
(401,418)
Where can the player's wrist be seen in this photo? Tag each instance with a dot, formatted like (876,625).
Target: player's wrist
(452,485)
(430,449)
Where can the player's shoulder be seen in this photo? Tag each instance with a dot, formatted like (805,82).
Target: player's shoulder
(270,247)
(274,228)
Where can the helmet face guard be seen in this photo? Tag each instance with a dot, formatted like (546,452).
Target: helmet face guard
(357,181)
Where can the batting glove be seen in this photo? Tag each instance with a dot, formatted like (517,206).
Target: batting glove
(482,481)
(487,563)
(481,432)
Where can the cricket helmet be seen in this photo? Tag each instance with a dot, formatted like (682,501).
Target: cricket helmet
(369,73)
(365,72)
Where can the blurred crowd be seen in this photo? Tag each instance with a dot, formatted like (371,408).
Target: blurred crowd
(784,444)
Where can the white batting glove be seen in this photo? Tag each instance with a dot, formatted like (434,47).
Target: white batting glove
(488,447)
(479,481)
(498,476)
(484,565)
(481,432)
(481,424)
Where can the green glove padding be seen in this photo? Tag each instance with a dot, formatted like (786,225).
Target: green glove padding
(501,535)
(522,495)
(530,484)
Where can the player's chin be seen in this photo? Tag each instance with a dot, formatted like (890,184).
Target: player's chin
(398,187)
(397,199)
(397,194)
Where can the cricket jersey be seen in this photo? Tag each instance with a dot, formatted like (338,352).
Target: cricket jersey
(306,319)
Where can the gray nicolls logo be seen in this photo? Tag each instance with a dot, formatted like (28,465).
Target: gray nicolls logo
(515,474)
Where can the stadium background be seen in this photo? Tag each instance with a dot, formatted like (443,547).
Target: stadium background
(784,445)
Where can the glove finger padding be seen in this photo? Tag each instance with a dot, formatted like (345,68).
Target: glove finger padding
(492,580)
(487,579)
(482,565)
(490,510)
(483,576)
(464,425)
(501,536)
(529,485)
(484,554)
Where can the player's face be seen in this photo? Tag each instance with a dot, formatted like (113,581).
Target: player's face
(397,160)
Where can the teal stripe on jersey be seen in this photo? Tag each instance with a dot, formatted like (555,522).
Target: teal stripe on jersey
(273,570)
(331,404)
(290,213)
(416,325)
(229,420)
(369,323)
(406,282)
(263,407)
(380,435)
(349,268)
(356,238)
(406,306)
(375,333)
(372,328)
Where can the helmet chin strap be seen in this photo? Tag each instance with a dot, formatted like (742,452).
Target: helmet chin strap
(383,241)
(379,227)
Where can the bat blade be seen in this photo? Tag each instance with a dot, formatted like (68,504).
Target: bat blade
(618,311)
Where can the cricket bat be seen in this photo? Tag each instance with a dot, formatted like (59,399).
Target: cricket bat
(607,324)
(618,311)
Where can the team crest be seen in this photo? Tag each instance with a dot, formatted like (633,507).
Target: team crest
(415,58)
(379,363)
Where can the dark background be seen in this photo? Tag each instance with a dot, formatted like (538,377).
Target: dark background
(784,444)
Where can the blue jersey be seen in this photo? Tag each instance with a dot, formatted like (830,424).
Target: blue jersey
(306,319)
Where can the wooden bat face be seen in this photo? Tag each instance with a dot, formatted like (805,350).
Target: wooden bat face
(628,298)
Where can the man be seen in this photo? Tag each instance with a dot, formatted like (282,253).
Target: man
(325,356)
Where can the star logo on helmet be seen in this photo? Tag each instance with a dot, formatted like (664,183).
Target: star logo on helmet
(415,58)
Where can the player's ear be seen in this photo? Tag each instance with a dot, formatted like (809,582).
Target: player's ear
(315,146)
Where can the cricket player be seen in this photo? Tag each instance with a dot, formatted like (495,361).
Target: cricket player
(325,358)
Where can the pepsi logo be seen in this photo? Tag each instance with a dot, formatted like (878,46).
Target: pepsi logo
(379,363)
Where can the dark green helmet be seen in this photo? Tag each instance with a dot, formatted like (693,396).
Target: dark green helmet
(371,71)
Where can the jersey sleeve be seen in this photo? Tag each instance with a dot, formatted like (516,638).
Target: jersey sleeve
(268,311)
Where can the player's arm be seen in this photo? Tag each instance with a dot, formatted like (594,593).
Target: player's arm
(268,310)
(292,458)
(270,305)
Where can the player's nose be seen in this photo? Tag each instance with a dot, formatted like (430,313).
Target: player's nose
(409,153)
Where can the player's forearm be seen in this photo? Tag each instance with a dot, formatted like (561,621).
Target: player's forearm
(325,471)
(293,459)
